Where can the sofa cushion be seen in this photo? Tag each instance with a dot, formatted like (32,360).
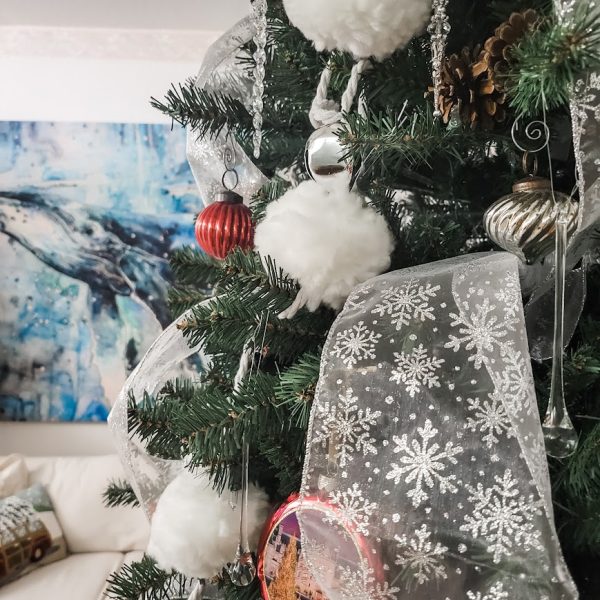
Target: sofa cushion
(30,535)
(13,475)
(76,485)
(78,577)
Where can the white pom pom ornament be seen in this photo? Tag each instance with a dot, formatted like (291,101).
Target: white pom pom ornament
(326,239)
(362,27)
(195,531)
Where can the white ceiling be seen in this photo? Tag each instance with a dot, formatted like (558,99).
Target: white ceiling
(207,15)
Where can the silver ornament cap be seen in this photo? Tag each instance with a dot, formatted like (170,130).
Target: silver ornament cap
(325,157)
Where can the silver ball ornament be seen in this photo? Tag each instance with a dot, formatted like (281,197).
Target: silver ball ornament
(325,157)
(524,221)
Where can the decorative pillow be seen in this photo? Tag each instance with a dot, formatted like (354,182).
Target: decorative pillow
(30,535)
(14,475)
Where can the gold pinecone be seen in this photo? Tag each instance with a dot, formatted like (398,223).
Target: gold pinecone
(495,55)
(466,86)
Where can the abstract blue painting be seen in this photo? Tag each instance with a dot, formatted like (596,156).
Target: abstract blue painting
(89,214)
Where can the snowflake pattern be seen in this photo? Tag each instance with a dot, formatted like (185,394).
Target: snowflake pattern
(353,509)
(424,464)
(355,301)
(347,427)
(489,417)
(355,344)
(514,382)
(420,557)
(480,330)
(496,592)
(407,303)
(416,369)
(509,295)
(503,516)
(401,453)
(361,585)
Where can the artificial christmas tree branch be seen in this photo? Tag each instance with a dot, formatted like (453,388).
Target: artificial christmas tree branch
(547,62)
(143,580)
(206,113)
(120,493)
(432,184)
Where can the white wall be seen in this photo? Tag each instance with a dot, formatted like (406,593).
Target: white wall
(84,73)
(55,439)
(93,75)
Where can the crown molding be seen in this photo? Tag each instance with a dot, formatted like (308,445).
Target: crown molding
(96,43)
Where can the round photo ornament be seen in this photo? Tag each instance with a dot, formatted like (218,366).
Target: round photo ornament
(282,568)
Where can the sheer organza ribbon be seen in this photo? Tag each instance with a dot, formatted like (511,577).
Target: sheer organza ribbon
(223,72)
(425,450)
(165,360)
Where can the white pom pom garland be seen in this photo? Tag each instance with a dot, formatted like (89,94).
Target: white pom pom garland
(362,27)
(326,239)
(194,529)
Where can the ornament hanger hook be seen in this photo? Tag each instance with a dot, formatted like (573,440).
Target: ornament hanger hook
(230,179)
(536,136)
(529,163)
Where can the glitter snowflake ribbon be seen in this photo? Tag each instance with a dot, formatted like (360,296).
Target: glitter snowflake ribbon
(425,444)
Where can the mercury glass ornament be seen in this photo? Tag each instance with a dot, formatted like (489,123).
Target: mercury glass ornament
(524,221)
(224,225)
(325,157)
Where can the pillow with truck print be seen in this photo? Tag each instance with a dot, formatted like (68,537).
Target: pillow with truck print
(30,535)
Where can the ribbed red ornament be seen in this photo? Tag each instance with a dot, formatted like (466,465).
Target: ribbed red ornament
(224,225)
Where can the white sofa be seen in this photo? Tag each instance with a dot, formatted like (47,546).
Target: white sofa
(99,539)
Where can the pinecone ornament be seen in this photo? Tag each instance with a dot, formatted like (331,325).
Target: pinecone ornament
(468,88)
(495,56)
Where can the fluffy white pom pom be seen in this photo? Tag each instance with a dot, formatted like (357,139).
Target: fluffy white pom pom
(326,239)
(195,531)
(362,27)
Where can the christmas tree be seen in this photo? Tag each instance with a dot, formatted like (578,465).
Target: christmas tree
(432,150)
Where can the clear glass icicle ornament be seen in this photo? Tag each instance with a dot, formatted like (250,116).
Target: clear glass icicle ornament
(259,18)
(438,29)
(243,570)
(560,436)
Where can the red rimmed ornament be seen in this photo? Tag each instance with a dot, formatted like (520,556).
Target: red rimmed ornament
(224,225)
(282,571)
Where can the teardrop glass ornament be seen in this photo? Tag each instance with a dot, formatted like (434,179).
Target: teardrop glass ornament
(560,437)
(243,569)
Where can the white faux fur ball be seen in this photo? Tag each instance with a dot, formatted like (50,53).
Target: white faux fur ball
(326,239)
(195,531)
(362,27)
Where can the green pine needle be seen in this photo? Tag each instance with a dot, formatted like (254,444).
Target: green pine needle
(548,61)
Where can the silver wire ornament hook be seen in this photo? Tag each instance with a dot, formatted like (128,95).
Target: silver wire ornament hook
(535,131)
(229,160)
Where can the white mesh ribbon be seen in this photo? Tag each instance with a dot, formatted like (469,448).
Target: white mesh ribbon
(166,359)
(425,452)
(223,72)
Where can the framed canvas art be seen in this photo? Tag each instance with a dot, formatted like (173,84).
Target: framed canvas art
(89,213)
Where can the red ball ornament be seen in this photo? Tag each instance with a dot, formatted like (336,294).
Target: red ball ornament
(224,225)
